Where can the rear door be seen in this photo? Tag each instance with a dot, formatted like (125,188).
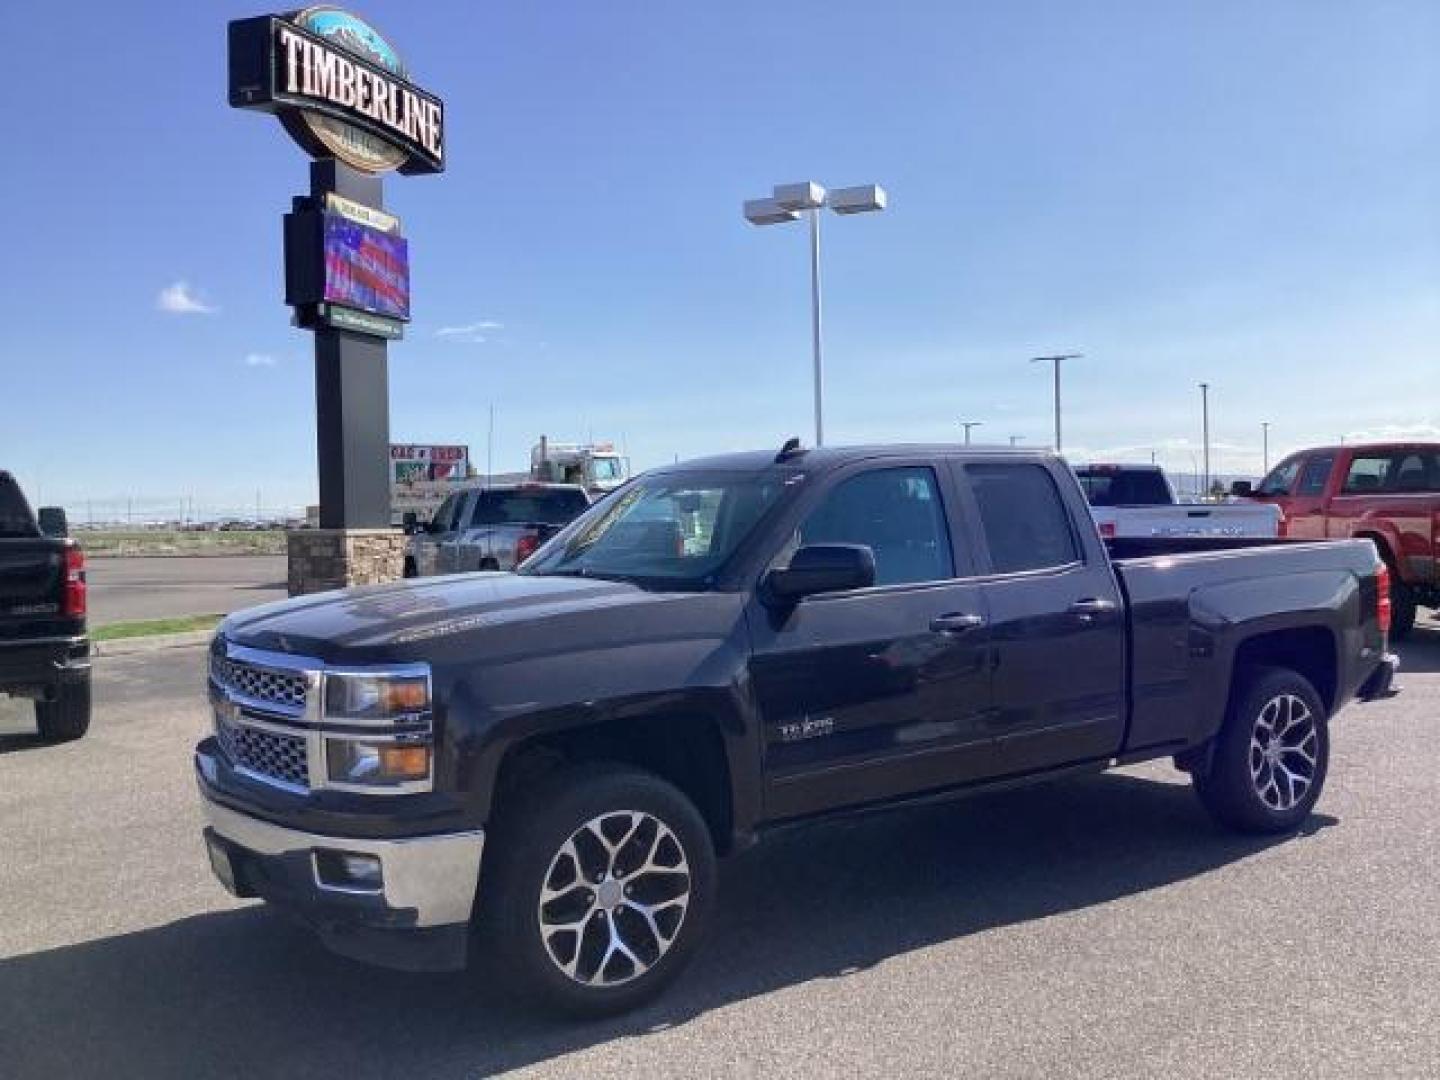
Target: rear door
(877,692)
(1057,625)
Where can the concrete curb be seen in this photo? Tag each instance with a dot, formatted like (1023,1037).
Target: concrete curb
(151,643)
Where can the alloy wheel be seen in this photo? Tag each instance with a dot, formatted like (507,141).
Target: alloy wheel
(1284,751)
(614,898)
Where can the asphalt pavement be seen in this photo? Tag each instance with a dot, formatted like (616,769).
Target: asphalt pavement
(164,587)
(1094,928)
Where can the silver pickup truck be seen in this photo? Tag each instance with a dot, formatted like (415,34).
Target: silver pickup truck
(491,528)
(1136,501)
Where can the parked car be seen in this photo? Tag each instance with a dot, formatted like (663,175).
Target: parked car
(553,759)
(1388,493)
(1137,500)
(491,528)
(44,647)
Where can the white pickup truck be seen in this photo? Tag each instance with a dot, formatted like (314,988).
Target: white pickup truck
(1137,500)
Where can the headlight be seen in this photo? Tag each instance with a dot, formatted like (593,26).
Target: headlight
(376,697)
(355,761)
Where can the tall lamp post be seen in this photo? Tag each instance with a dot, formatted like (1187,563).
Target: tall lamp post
(1055,361)
(1265,446)
(967,425)
(1015,439)
(1205,433)
(786,203)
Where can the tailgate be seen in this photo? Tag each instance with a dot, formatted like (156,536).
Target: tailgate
(1196,519)
(31,576)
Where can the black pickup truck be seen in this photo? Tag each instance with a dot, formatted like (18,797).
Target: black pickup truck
(548,762)
(44,650)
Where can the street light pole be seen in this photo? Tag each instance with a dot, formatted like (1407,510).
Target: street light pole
(1265,446)
(1055,361)
(1015,439)
(815,326)
(967,425)
(787,203)
(1205,432)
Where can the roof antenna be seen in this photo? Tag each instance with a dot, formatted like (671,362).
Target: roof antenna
(790,449)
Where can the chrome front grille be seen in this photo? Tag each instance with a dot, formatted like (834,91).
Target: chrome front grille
(285,758)
(275,687)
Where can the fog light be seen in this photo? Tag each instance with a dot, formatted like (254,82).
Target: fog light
(347,870)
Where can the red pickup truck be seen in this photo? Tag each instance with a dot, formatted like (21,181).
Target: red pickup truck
(1388,492)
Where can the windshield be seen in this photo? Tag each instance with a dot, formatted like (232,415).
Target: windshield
(666,531)
(605,468)
(525,506)
(16,521)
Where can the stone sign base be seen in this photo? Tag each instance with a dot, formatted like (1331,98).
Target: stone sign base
(323,559)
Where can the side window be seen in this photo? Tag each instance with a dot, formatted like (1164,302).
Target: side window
(897,514)
(1413,472)
(1024,518)
(1366,473)
(445,515)
(1315,474)
(1281,478)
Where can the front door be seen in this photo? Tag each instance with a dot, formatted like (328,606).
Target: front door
(882,691)
(1057,621)
(1305,515)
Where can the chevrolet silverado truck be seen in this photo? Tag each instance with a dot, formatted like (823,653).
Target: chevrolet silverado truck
(1137,500)
(1388,493)
(44,649)
(545,765)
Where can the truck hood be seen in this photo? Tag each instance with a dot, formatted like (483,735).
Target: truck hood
(405,616)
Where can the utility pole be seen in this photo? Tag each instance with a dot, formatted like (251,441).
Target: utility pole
(1205,432)
(1055,361)
(967,425)
(1265,446)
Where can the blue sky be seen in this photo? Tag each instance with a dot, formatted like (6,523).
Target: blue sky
(1239,192)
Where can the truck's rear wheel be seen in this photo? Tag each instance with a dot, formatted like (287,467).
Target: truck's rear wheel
(1402,608)
(66,717)
(600,887)
(1269,761)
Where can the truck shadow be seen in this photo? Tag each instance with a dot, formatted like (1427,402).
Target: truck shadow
(243,992)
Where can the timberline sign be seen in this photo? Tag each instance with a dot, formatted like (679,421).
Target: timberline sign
(339,88)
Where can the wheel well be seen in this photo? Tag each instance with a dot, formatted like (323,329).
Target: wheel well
(685,750)
(1308,650)
(1382,546)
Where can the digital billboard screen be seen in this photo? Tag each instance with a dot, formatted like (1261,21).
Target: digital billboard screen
(366,268)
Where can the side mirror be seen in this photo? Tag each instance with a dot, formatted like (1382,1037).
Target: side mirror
(53,522)
(823,568)
(1242,489)
(410,523)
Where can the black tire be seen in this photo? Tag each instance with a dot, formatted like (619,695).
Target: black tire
(67,717)
(1241,785)
(526,852)
(1402,608)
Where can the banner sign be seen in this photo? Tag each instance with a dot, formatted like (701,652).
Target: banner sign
(411,464)
(339,88)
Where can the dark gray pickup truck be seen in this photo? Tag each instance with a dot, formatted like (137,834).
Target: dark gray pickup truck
(44,650)
(547,763)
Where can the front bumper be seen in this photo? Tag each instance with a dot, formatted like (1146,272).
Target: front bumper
(416,918)
(1379,684)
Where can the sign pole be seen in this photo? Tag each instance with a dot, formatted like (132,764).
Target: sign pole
(352,392)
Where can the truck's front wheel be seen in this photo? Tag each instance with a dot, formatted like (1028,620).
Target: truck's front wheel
(599,888)
(66,716)
(1269,761)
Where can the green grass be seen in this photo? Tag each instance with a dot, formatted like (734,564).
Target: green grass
(150,627)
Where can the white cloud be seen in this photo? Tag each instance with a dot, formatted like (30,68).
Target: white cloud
(256,359)
(179,299)
(471,333)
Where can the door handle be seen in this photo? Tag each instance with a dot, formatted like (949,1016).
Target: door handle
(956,623)
(1092,605)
